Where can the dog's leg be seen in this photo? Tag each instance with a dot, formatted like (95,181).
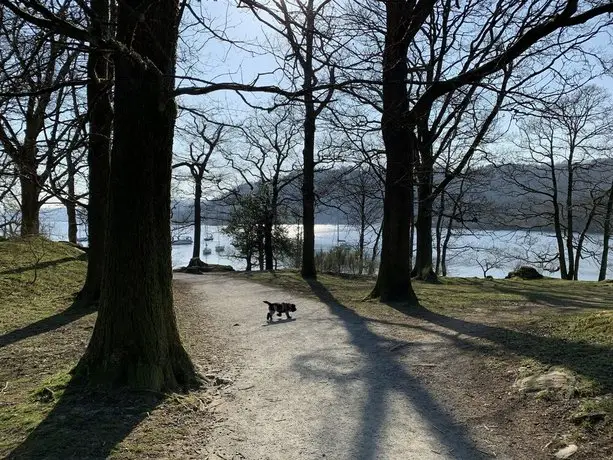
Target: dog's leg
(269,317)
(288,316)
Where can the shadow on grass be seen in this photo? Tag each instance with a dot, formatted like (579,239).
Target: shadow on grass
(591,360)
(381,376)
(86,424)
(39,266)
(563,295)
(45,325)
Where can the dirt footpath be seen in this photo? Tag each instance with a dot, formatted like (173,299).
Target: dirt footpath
(327,384)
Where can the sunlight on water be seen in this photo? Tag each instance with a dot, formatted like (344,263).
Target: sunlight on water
(462,257)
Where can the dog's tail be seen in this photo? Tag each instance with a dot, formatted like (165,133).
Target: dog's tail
(267,303)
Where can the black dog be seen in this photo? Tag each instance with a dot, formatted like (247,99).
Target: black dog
(280,308)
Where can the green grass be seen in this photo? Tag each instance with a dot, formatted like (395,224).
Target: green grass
(43,413)
(37,278)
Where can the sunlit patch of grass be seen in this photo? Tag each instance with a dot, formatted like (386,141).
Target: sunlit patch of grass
(37,278)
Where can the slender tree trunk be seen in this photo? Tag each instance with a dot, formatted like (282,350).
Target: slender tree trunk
(606,236)
(361,244)
(557,224)
(375,250)
(69,204)
(260,245)
(136,341)
(448,233)
(100,110)
(439,232)
(197,217)
(581,240)
(394,280)
(268,244)
(569,218)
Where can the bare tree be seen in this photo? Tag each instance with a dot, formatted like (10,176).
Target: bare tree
(268,164)
(304,27)
(516,33)
(37,129)
(559,178)
(202,145)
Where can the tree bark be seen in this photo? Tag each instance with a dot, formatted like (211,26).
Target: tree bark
(136,341)
(71,207)
(439,232)
(100,110)
(394,280)
(308,153)
(197,217)
(30,206)
(606,236)
(268,244)
(423,228)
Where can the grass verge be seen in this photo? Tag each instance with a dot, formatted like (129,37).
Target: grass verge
(42,413)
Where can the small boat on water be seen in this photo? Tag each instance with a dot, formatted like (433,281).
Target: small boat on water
(206,251)
(179,241)
(220,248)
(208,237)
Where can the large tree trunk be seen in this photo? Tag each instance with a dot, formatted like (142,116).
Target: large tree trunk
(100,111)
(136,341)
(308,153)
(197,218)
(30,206)
(394,280)
(308,191)
(606,236)
(30,189)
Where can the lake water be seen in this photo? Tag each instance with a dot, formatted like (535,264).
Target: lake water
(462,259)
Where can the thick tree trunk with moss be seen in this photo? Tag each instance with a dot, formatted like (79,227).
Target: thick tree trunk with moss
(394,280)
(136,341)
(100,111)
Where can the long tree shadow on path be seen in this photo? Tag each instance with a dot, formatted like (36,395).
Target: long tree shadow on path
(382,375)
(86,424)
(591,360)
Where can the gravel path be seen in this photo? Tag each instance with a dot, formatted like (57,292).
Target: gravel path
(327,384)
